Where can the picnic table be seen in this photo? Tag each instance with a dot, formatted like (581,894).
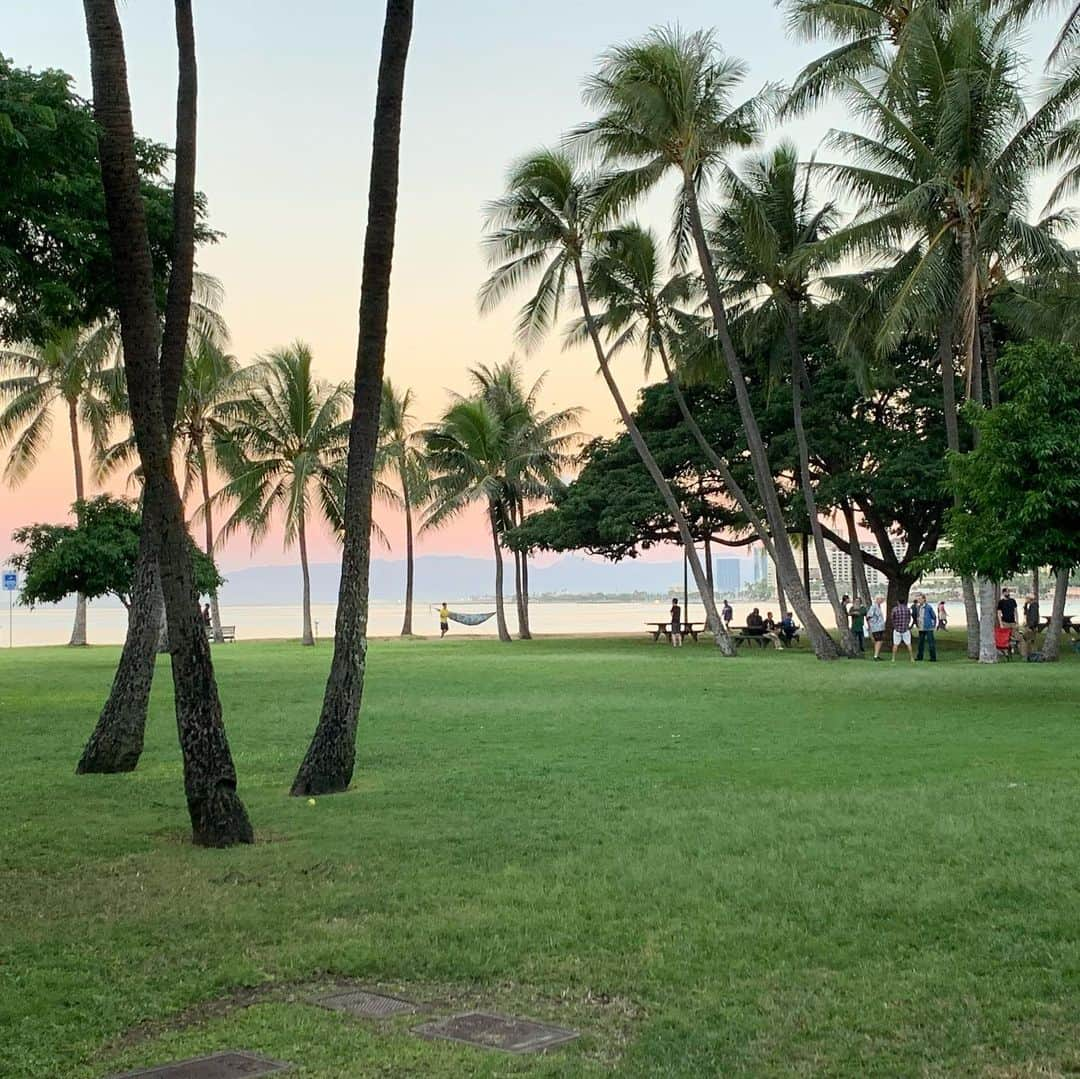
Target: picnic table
(742,634)
(1068,624)
(689,629)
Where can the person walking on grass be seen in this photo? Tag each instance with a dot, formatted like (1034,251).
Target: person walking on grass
(676,624)
(926,624)
(875,623)
(444,620)
(857,614)
(901,629)
(942,616)
(727,614)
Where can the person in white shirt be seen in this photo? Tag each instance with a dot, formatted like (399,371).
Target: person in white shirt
(875,623)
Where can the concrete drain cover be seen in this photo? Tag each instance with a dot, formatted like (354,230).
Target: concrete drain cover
(371,1005)
(215,1066)
(505,1032)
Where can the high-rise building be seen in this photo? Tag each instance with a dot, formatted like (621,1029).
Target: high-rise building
(727,576)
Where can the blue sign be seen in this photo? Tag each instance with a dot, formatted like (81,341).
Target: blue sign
(11,581)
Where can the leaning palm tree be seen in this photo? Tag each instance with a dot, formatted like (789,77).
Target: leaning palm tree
(282,447)
(401,455)
(540,448)
(767,243)
(667,106)
(545,226)
(72,370)
(469,457)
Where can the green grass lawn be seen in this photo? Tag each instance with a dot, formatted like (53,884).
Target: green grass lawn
(762,867)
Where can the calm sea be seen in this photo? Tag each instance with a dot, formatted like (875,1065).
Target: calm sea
(107,624)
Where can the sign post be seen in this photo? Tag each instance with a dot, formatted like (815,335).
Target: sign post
(11,582)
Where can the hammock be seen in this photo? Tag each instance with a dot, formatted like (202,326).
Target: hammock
(470,619)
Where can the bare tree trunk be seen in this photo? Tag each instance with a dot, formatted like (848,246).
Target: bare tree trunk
(712,617)
(781,599)
(328,764)
(218,817)
(1051,648)
(500,607)
(987,620)
(308,637)
(860,584)
(78,630)
(406,494)
(208,520)
(1036,587)
(787,572)
(117,741)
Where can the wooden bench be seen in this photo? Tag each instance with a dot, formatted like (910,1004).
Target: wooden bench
(690,629)
(228,633)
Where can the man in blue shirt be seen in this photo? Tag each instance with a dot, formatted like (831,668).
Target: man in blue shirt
(926,623)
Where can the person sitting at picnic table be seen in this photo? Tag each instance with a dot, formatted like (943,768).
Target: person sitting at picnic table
(788,629)
(756,626)
(676,624)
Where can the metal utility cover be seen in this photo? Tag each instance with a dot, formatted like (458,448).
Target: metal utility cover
(370,1005)
(215,1066)
(509,1033)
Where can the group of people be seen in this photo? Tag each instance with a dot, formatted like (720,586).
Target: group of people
(1026,632)
(919,618)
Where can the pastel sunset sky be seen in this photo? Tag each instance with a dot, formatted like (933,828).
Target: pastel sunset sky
(286,98)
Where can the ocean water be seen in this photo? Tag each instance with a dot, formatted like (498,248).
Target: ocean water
(106,624)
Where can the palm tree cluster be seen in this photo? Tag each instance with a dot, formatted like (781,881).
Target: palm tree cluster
(934,241)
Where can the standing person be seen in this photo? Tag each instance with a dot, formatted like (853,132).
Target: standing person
(857,613)
(942,616)
(845,602)
(444,620)
(206,615)
(926,625)
(676,624)
(901,629)
(727,614)
(1029,634)
(875,622)
(1006,610)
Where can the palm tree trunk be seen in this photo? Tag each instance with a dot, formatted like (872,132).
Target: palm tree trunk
(78,631)
(515,512)
(781,599)
(952,439)
(798,379)
(787,572)
(308,637)
(328,764)
(860,584)
(500,607)
(1051,648)
(987,620)
(406,497)
(117,741)
(712,617)
(208,520)
(525,592)
(218,817)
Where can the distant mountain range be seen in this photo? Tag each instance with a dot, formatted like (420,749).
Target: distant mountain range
(453,577)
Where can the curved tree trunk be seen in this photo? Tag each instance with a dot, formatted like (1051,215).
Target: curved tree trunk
(218,817)
(308,637)
(500,607)
(327,766)
(406,625)
(848,647)
(860,584)
(987,620)
(1051,648)
(78,630)
(215,609)
(787,572)
(117,741)
(712,617)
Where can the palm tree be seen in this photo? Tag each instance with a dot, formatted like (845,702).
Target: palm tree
(218,816)
(666,105)
(539,452)
(328,764)
(283,444)
(70,370)
(767,246)
(401,452)
(546,225)
(469,457)
(949,160)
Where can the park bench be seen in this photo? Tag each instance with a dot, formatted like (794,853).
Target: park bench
(690,629)
(743,634)
(228,633)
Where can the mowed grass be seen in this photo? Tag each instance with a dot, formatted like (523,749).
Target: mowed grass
(762,867)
